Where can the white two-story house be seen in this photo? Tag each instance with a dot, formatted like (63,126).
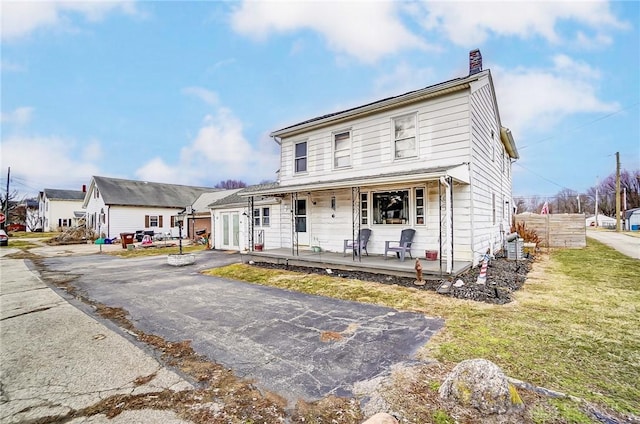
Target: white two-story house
(437,160)
(59,209)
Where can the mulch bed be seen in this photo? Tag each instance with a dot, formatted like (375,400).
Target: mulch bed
(503,278)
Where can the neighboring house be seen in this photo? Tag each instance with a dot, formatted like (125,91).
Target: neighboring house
(32,215)
(233,216)
(114,206)
(602,221)
(437,160)
(60,209)
(632,219)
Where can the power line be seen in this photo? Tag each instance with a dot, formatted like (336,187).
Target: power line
(543,177)
(580,126)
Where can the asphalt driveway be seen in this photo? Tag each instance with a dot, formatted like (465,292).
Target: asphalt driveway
(275,337)
(624,243)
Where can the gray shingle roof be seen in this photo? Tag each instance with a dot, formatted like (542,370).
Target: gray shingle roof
(237,199)
(58,194)
(115,191)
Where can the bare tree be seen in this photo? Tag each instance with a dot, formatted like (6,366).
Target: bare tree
(230,184)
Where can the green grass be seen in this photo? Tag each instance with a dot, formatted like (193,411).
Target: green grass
(21,243)
(30,235)
(574,327)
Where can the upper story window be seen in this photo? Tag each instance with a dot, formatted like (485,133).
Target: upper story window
(404,133)
(342,149)
(301,157)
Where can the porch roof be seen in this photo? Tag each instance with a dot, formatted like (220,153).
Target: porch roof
(459,173)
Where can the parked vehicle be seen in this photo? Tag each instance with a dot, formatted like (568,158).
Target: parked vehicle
(4,238)
(16,227)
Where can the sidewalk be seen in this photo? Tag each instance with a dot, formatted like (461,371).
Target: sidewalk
(623,243)
(56,360)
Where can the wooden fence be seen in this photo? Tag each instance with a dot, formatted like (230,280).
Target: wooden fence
(561,230)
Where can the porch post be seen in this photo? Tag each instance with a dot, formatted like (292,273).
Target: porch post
(250,227)
(294,228)
(446,222)
(355,222)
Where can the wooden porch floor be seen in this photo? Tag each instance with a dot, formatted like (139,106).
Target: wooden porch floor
(372,263)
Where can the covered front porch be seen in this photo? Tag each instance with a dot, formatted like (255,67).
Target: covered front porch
(431,269)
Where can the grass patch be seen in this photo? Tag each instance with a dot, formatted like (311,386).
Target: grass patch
(22,244)
(32,235)
(155,251)
(574,326)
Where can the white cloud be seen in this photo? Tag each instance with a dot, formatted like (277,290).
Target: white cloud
(539,98)
(47,161)
(207,96)
(470,23)
(403,78)
(364,30)
(8,66)
(20,116)
(20,18)
(218,152)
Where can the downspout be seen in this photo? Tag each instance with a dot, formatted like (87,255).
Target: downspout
(109,221)
(444,181)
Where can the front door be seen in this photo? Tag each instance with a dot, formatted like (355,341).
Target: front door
(301,222)
(230,231)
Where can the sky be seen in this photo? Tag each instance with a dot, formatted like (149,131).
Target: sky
(187,92)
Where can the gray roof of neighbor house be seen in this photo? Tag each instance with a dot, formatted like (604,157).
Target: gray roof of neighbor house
(57,194)
(115,191)
(205,199)
(237,199)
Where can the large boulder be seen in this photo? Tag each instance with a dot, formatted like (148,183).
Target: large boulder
(381,418)
(482,385)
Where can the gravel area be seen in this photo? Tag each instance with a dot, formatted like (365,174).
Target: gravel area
(503,278)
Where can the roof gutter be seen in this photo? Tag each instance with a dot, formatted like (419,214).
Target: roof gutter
(509,143)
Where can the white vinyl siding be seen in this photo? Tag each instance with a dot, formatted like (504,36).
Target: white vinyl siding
(442,139)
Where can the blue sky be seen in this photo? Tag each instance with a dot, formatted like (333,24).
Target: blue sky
(187,92)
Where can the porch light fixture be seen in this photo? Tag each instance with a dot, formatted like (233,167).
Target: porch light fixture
(333,202)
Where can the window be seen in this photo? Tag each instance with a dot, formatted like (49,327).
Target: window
(342,149)
(301,157)
(301,216)
(391,207)
(404,141)
(364,209)
(261,217)
(420,206)
(152,221)
(493,207)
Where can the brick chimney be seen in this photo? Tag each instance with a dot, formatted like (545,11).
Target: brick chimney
(475,61)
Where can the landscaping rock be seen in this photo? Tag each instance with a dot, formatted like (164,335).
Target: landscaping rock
(381,418)
(480,384)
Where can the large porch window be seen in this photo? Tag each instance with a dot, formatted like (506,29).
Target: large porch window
(391,207)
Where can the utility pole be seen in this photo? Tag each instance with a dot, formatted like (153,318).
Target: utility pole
(618,226)
(597,184)
(6,201)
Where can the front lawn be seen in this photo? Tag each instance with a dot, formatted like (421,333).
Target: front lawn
(574,327)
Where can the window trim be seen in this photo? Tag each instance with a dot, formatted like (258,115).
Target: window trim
(348,149)
(394,140)
(305,157)
(406,220)
(259,217)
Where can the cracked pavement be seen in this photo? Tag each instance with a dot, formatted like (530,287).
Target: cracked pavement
(56,359)
(296,345)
